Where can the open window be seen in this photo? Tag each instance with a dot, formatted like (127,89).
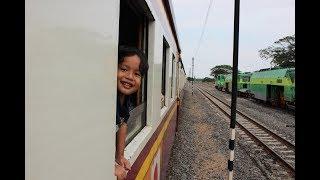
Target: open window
(133,31)
(172,75)
(177,77)
(165,51)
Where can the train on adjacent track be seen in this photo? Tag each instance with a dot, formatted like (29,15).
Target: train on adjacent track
(71,67)
(275,85)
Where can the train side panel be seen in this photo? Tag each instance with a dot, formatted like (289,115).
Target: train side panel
(71,52)
(259,91)
(149,151)
(154,157)
(289,93)
(289,89)
(275,85)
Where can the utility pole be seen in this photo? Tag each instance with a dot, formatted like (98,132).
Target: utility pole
(234,87)
(192,73)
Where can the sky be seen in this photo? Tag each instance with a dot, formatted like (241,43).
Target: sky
(262,22)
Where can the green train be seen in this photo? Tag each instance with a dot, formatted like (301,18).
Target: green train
(220,81)
(224,83)
(275,86)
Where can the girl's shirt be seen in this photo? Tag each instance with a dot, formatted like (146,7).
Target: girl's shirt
(123,114)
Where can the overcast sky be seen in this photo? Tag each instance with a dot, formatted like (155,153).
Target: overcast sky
(262,22)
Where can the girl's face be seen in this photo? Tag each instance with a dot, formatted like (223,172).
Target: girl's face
(129,76)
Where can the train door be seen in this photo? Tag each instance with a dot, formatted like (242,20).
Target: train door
(276,95)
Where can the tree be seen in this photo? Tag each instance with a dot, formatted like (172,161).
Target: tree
(220,69)
(189,78)
(207,79)
(282,53)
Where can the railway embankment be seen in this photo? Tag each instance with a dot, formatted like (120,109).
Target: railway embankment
(200,149)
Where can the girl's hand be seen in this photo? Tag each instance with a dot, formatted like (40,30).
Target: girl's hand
(120,172)
(124,163)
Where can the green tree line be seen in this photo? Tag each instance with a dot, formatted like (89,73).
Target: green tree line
(280,54)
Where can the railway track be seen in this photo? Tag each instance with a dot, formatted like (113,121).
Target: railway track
(280,148)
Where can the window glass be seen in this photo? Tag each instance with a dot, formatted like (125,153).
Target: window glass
(165,50)
(172,67)
(177,78)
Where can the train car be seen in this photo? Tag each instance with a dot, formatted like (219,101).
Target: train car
(71,88)
(243,84)
(220,82)
(275,86)
(289,90)
(225,83)
(228,83)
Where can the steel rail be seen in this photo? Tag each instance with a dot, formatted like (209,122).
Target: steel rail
(275,136)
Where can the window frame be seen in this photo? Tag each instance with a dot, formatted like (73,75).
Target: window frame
(172,75)
(164,75)
(141,20)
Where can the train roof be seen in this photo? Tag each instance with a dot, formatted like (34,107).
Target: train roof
(273,73)
(245,74)
(239,74)
(171,17)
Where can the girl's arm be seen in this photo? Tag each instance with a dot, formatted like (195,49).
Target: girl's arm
(120,172)
(121,138)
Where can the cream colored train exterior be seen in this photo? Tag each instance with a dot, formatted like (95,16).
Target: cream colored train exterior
(71,66)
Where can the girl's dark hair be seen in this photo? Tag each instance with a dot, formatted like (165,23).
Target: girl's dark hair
(125,51)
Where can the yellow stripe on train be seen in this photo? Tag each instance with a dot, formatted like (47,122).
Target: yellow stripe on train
(147,162)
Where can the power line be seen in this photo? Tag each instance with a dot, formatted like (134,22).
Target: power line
(204,26)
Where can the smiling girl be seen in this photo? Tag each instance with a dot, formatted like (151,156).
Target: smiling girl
(132,66)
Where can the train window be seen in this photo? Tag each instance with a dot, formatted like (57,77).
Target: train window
(172,67)
(165,50)
(133,31)
(177,78)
